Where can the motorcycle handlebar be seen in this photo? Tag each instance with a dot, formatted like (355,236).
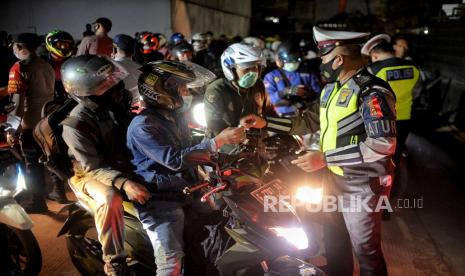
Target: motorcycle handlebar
(204,198)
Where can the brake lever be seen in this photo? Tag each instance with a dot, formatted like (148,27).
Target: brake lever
(189,190)
(204,198)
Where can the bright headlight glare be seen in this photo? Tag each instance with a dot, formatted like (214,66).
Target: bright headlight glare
(20,182)
(199,114)
(309,194)
(294,235)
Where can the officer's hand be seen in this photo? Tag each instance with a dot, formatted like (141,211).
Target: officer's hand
(136,192)
(252,121)
(311,161)
(230,136)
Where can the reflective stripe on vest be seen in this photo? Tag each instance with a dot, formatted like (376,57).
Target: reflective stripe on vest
(338,115)
(402,80)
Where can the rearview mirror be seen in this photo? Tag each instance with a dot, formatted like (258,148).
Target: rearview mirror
(198,157)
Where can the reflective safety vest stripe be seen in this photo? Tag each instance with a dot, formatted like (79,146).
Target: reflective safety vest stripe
(340,121)
(402,80)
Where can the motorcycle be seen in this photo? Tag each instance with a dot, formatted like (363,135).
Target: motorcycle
(19,248)
(265,243)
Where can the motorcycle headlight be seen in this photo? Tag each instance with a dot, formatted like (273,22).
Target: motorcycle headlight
(294,235)
(12,185)
(308,194)
(198,112)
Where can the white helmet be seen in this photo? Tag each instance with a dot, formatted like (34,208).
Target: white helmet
(199,42)
(240,54)
(255,41)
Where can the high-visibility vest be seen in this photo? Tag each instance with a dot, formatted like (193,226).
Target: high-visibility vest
(402,78)
(340,121)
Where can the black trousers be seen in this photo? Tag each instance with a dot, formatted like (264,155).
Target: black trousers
(403,129)
(34,173)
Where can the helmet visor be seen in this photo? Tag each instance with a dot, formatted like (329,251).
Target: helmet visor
(203,76)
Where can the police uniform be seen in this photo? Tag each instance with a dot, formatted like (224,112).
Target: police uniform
(358,138)
(404,78)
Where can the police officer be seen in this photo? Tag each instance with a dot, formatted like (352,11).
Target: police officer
(289,80)
(402,76)
(358,138)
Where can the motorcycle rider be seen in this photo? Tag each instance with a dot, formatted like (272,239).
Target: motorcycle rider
(148,49)
(33,79)
(123,48)
(202,55)
(240,92)
(289,80)
(182,52)
(95,138)
(60,47)
(159,138)
(358,139)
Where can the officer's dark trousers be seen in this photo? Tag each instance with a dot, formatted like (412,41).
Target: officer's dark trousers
(359,230)
(34,171)
(403,129)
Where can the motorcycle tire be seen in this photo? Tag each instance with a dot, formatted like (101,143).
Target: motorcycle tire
(24,251)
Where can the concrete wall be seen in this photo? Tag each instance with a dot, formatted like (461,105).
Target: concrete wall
(230,17)
(128,16)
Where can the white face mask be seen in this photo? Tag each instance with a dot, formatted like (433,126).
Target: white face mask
(21,54)
(187,102)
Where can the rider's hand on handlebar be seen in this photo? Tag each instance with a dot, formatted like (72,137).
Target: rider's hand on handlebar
(252,121)
(136,191)
(311,161)
(11,139)
(230,136)
(299,90)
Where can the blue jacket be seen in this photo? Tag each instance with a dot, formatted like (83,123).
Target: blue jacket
(158,146)
(274,84)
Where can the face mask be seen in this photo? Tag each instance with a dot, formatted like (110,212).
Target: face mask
(186,103)
(248,80)
(291,66)
(21,55)
(327,71)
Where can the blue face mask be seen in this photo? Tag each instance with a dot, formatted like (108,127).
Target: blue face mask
(248,80)
(291,66)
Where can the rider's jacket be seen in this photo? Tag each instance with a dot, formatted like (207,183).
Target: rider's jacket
(158,144)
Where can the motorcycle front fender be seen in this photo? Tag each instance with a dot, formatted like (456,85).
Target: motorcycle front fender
(12,214)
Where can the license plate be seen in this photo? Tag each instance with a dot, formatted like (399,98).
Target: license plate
(271,189)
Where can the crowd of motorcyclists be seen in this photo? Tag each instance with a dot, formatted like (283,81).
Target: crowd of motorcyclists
(127,135)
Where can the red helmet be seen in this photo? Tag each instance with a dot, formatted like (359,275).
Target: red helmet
(149,43)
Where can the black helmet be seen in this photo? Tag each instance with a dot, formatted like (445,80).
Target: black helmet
(160,81)
(91,75)
(289,51)
(182,47)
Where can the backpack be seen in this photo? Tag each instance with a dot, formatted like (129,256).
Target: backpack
(48,135)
